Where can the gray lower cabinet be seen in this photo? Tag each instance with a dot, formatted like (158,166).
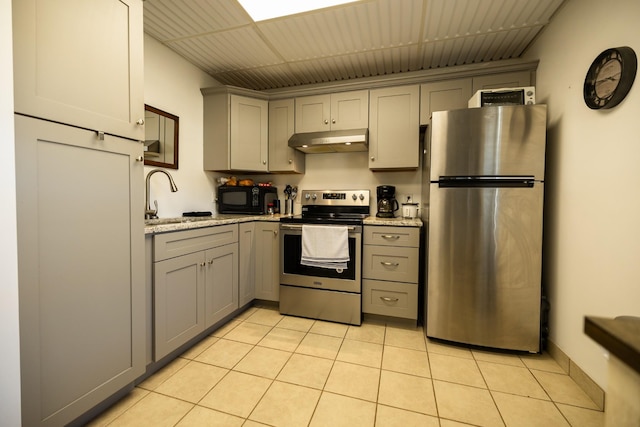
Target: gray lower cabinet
(390,258)
(178,301)
(267,252)
(221,283)
(259,261)
(81,268)
(247,242)
(195,283)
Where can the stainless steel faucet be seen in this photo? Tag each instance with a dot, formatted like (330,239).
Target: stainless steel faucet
(153,213)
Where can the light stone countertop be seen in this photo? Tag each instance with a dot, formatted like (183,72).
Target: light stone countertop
(395,222)
(165,225)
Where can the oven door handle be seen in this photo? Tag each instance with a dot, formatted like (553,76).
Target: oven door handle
(299,227)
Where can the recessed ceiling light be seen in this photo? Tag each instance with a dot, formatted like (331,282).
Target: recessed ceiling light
(261,10)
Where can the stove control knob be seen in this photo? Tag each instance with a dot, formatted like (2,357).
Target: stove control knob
(314,196)
(307,196)
(354,197)
(361,196)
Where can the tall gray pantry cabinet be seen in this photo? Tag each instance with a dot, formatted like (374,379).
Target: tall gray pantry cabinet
(78,80)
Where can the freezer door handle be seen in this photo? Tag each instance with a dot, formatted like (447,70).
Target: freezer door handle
(486,182)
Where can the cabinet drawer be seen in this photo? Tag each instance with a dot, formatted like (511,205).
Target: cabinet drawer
(392,236)
(169,245)
(390,298)
(390,263)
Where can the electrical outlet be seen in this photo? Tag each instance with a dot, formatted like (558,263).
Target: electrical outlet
(408,198)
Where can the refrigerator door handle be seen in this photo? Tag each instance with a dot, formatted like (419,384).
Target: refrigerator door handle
(486,182)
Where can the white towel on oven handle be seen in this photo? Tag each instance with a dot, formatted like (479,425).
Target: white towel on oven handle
(325,246)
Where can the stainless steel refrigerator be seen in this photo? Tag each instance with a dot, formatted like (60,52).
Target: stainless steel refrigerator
(484,257)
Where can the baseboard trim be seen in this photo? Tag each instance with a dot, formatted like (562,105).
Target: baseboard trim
(590,387)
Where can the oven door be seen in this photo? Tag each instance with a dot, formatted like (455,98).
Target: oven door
(295,274)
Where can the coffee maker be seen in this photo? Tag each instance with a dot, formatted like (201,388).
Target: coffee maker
(387,204)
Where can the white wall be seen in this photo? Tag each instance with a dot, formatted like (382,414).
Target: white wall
(346,171)
(592,223)
(173,85)
(9,326)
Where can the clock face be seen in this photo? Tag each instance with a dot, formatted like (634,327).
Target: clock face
(610,78)
(607,77)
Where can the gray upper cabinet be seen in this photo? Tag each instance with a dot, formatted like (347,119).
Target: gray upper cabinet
(81,63)
(282,158)
(336,111)
(442,96)
(500,80)
(454,94)
(394,129)
(81,268)
(236,135)
(78,83)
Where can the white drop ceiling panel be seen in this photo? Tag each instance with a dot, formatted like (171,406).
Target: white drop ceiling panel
(362,39)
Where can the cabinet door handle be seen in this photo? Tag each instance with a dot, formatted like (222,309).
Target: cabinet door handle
(333,121)
(389,299)
(140,122)
(275,232)
(373,159)
(390,236)
(202,264)
(210,261)
(389,264)
(326,122)
(139,159)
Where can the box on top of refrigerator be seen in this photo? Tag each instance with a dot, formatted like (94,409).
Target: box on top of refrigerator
(504,96)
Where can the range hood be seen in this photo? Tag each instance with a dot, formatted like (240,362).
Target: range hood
(338,141)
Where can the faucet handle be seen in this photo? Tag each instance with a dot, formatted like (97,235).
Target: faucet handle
(150,213)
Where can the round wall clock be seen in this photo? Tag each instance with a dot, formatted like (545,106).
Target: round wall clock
(610,78)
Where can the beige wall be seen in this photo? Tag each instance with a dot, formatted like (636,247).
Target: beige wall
(347,171)
(173,85)
(9,328)
(592,223)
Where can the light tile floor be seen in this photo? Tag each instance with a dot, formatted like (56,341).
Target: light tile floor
(263,368)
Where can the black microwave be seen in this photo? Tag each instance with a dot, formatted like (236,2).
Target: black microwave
(252,200)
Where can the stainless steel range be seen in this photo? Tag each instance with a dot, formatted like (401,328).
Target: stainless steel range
(325,293)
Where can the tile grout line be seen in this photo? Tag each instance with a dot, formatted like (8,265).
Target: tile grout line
(334,359)
(493,399)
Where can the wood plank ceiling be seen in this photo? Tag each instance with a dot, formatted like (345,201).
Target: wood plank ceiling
(362,39)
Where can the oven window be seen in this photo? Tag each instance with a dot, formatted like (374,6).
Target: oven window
(293,253)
